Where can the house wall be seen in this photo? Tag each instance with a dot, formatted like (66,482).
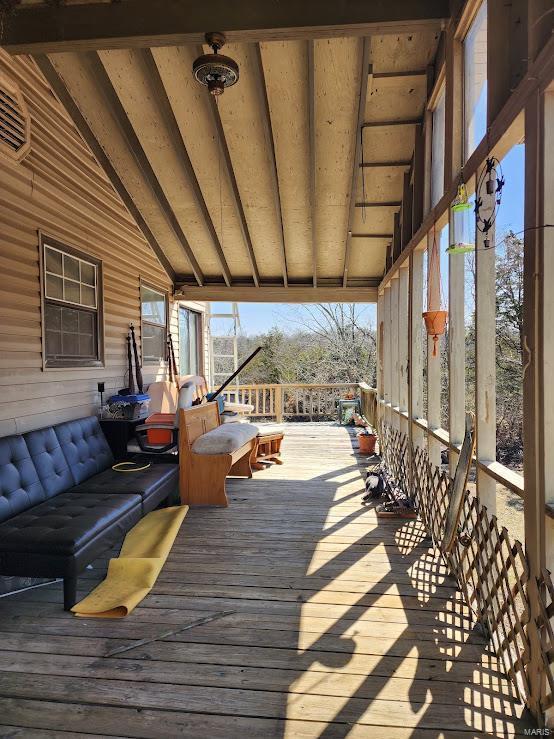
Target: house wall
(61,191)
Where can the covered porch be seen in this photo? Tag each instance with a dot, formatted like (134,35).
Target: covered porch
(326,622)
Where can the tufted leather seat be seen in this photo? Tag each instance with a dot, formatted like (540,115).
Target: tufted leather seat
(153,485)
(61,504)
(85,447)
(66,530)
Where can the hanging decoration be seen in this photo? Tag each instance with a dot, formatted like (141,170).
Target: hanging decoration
(435,316)
(462,225)
(215,71)
(490,183)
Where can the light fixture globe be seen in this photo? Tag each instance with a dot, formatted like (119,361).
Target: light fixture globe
(215,71)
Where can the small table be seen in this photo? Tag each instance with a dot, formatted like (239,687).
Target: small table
(119,432)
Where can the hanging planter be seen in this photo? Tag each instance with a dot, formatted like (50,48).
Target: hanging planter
(462,225)
(435,317)
(435,323)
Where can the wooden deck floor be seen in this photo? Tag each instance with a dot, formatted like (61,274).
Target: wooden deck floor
(338,625)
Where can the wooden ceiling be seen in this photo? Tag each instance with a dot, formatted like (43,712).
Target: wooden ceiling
(261,190)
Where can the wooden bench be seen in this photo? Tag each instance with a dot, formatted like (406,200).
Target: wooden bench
(202,472)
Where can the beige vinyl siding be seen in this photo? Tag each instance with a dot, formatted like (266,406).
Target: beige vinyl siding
(61,191)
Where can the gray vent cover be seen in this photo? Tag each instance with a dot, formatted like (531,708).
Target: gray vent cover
(14,121)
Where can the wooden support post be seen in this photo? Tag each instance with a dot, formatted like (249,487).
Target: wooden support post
(406,210)
(456,354)
(415,357)
(403,284)
(418,187)
(387,327)
(453,117)
(485,360)
(396,238)
(395,384)
(279,404)
(428,144)
(380,345)
(433,380)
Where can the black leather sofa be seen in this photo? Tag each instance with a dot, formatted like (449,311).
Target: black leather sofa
(62,505)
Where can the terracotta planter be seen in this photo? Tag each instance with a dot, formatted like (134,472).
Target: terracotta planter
(367,443)
(435,323)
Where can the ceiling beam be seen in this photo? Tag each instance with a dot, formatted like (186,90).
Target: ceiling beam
(279,294)
(311,145)
(365,82)
(398,75)
(222,143)
(384,204)
(273,173)
(370,236)
(168,116)
(104,84)
(386,124)
(59,88)
(57,27)
(384,165)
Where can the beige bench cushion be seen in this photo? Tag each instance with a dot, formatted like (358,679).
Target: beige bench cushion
(225,439)
(269,429)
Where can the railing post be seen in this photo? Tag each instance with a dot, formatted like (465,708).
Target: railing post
(279,404)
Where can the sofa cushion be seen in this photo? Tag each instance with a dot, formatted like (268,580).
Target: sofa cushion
(49,460)
(20,486)
(85,447)
(65,524)
(156,482)
(225,439)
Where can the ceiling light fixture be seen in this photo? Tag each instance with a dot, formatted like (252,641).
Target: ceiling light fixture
(215,71)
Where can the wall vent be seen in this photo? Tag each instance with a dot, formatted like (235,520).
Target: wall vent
(15,128)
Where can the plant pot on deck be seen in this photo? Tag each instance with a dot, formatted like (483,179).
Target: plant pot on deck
(367,443)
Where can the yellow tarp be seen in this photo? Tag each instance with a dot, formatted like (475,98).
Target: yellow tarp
(133,574)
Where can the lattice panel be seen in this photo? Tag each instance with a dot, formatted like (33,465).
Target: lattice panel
(491,568)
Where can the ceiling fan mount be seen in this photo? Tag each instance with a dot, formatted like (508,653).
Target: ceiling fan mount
(215,71)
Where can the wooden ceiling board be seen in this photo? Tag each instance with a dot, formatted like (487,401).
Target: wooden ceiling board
(377,220)
(127,75)
(337,65)
(286,74)
(191,106)
(381,185)
(367,257)
(241,109)
(404,52)
(386,144)
(75,71)
(396,99)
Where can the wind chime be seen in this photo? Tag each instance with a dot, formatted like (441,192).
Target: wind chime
(435,316)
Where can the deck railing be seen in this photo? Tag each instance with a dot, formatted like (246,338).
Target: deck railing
(310,402)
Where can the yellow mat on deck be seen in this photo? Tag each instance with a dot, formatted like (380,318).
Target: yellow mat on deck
(133,574)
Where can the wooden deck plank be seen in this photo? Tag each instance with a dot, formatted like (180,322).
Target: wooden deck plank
(341,624)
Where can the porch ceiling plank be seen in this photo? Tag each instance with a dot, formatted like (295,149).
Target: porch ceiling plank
(53,27)
(166,111)
(312,144)
(279,294)
(268,132)
(57,84)
(365,82)
(386,165)
(102,80)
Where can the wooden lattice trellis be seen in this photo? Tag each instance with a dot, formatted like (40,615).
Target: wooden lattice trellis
(491,569)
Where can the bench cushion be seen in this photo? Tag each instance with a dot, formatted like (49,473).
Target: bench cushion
(85,447)
(153,485)
(225,439)
(270,429)
(66,523)
(20,486)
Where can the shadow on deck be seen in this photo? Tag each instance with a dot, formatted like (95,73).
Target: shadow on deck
(341,625)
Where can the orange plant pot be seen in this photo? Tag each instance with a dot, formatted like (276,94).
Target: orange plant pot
(367,443)
(435,323)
